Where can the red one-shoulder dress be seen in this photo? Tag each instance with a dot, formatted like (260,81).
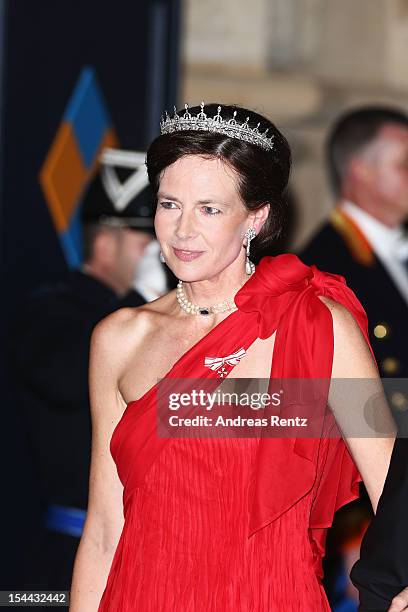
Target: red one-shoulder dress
(235,524)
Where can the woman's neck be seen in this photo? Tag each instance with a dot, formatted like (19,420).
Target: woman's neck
(213,291)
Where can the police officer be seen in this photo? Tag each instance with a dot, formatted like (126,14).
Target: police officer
(50,349)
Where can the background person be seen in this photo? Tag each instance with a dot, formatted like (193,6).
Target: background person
(364,238)
(50,352)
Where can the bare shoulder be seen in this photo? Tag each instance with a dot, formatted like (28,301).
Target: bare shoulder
(124,330)
(113,330)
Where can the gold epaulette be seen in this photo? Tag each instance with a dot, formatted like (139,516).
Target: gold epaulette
(358,245)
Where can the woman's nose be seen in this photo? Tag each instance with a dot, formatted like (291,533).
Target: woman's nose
(185,226)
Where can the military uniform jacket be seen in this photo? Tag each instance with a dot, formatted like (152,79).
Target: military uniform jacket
(341,247)
(49,346)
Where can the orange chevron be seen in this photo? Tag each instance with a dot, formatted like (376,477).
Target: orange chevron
(361,250)
(63,176)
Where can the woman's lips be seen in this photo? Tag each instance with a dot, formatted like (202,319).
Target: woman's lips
(185,255)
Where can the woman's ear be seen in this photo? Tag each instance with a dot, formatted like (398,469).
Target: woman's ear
(260,216)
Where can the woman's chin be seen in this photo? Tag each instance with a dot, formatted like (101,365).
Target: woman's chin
(190,275)
(189,271)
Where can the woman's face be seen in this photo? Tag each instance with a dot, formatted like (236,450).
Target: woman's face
(200,219)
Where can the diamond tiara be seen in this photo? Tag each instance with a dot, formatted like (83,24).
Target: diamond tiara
(230,127)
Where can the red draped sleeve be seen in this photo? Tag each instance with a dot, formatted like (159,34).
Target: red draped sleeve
(284,294)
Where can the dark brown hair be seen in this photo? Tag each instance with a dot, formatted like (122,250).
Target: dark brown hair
(262,175)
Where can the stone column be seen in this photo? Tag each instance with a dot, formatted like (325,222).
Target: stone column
(352,43)
(397,44)
(231,35)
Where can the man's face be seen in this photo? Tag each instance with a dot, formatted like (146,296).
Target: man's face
(386,161)
(130,248)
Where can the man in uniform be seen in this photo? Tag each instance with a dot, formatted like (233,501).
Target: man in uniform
(50,351)
(364,238)
(365,241)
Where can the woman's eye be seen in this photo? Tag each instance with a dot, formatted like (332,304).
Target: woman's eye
(210,210)
(168,204)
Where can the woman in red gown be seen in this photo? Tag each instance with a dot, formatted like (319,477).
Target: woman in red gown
(224,523)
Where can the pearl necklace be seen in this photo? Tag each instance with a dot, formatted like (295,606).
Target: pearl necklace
(191,308)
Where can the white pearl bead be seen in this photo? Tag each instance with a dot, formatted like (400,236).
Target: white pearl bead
(191,308)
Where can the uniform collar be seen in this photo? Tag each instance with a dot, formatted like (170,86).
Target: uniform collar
(386,241)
